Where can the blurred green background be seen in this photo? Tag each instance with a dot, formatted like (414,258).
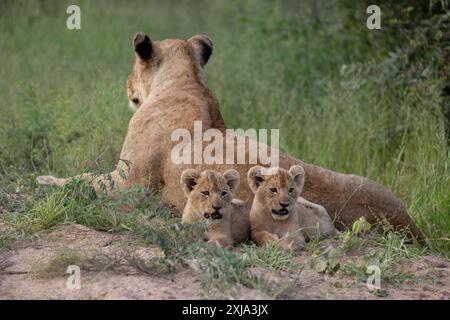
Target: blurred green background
(369,102)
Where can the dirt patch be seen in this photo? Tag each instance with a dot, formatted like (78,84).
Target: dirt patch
(111,268)
(25,273)
(430,279)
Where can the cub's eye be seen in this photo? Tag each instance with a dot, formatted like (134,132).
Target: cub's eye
(273,190)
(205,193)
(290,190)
(223,194)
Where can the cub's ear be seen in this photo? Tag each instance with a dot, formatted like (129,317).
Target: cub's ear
(233,178)
(298,173)
(142,45)
(189,180)
(203,47)
(255,178)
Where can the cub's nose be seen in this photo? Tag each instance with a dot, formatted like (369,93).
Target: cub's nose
(284,205)
(216,208)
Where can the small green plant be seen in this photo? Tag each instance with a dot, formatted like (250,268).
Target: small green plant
(269,256)
(223,269)
(388,252)
(351,239)
(173,237)
(62,259)
(327,261)
(7,239)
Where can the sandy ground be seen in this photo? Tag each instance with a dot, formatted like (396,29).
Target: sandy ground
(26,273)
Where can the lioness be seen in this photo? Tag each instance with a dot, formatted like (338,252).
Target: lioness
(210,196)
(277,215)
(167,87)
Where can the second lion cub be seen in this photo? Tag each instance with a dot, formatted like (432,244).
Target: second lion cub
(278,214)
(210,196)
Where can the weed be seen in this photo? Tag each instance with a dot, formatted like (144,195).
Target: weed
(270,256)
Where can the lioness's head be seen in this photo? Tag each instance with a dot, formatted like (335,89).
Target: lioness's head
(209,193)
(277,189)
(152,56)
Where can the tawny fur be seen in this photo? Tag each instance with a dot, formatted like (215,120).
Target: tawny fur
(210,193)
(278,215)
(171,93)
(315,220)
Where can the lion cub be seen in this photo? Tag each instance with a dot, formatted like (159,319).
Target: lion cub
(278,214)
(210,196)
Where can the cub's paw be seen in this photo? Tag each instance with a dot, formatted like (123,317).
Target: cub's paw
(291,242)
(271,237)
(221,242)
(286,244)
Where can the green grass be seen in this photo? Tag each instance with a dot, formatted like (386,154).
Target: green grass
(343,97)
(270,257)
(388,251)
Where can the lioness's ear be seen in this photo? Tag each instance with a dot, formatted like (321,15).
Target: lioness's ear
(298,173)
(142,45)
(203,47)
(189,179)
(255,178)
(233,178)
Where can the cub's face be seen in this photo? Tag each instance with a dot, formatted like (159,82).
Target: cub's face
(277,189)
(151,56)
(210,193)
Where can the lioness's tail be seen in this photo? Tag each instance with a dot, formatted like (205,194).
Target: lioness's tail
(101,183)
(51,180)
(60,182)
